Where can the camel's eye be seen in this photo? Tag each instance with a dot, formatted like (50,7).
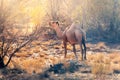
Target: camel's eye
(57,23)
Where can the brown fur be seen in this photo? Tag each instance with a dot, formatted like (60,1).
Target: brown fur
(72,34)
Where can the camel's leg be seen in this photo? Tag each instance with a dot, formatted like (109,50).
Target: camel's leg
(65,47)
(84,50)
(74,50)
(78,36)
(81,50)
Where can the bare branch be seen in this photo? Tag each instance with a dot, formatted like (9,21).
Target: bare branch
(16,50)
(6,48)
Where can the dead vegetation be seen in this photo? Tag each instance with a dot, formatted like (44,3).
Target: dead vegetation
(43,59)
(37,60)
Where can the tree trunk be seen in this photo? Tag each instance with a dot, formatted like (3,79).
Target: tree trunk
(2,65)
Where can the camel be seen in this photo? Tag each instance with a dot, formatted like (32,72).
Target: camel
(72,34)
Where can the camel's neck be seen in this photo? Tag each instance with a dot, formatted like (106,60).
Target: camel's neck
(58,31)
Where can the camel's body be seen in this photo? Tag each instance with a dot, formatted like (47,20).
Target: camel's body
(73,35)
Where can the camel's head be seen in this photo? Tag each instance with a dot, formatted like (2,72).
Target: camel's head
(54,24)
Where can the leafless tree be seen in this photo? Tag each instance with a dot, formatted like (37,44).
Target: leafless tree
(11,41)
(11,44)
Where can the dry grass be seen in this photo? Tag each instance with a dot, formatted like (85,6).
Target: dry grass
(103,63)
(36,59)
(30,65)
(44,48)
(100,64)
(101,45)
(23,54)
(33,65)
(57,47)
(101,69)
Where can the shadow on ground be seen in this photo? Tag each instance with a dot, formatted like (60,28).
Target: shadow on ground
(52,73)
